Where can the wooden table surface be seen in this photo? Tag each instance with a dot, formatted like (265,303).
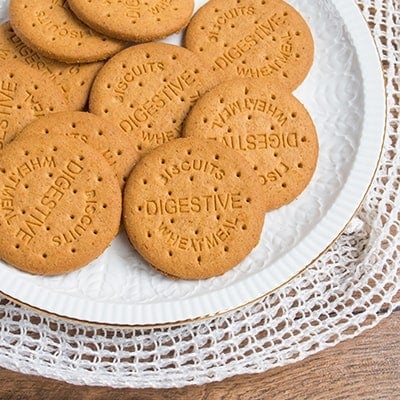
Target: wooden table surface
(367,367)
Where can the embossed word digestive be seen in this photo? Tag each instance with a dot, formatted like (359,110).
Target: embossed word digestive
(191,208)
(147,91)
(54,202)
(252,39)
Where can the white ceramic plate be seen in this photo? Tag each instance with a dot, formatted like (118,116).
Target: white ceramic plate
(345,95)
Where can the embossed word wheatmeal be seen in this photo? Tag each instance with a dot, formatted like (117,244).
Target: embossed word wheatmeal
(24,96)
(252,38)
(134,20)
(269,126)
(60,204)
(50,28)
(147,91)
(191,208)
(115,146)
(74,81)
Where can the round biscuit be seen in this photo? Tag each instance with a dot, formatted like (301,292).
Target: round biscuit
(252,39)
(147,91)
(61,205)
(50,28)
(268,126)
(191,208)
(136,20)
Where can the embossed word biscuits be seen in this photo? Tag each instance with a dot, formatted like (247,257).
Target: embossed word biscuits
(74,81)
(191,208)
(253,38)
(147,90)
(24,96)
(269,126)
(50,28)
(60,204)
(134,20)
(115,146)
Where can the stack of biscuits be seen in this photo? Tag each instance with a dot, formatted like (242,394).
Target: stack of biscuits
(189,146)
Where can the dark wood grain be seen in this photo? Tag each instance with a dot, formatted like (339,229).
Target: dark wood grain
(367,367)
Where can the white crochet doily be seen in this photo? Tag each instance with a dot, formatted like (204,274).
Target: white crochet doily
(338,297)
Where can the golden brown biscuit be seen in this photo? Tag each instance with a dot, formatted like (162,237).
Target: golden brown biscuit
(147,91)
(74,81)
(50,28)
(191,208)
(60,205)
(268,126)
(252,39)
(135,20)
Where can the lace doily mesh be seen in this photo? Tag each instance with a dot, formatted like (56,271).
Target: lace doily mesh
(337,298)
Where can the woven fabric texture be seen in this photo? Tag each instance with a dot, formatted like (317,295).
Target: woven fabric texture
(337,298)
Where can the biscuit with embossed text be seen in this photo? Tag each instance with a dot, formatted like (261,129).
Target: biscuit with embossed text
(134,20)
(60,204)
(252,39)
(191,208)
(147,91)
(50,28)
